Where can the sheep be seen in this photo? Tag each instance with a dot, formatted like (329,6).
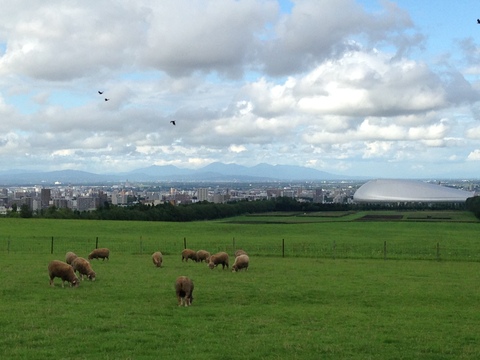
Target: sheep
(69,257)
(84,268)
(64,271)
(218,258)
(241,262)
(189,254)
(157,259)
(203,255)
(101,253)
(184,290)
(240,252)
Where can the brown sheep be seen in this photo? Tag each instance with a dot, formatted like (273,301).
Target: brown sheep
(69,257)
(62,270)
(203,255)
(101,253)
(84,268)
(189,254)
(241,262)
(157,259)
(218,258)
(184,290)
(240,252)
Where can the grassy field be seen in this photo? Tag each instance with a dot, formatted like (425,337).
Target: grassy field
(353,305)
(292,308)
(430,239)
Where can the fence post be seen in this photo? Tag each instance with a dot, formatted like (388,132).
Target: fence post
(96,243)
(438,251)
(184,242)
(385,250)
(283,247)
(51,247)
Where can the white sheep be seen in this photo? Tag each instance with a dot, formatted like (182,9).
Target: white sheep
(184,290)
(62,270)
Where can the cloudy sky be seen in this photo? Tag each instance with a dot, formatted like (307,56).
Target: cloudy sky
(352,87)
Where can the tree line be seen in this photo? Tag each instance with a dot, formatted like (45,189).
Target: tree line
(211,211)
(473,204)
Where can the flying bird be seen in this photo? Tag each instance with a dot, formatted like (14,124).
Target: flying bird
(100,92)
(172,122)
(478,21)
(106,99)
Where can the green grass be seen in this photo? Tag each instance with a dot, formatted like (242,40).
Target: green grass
(292,308)
(427,240)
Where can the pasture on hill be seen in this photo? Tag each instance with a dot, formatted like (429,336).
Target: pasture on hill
(281,308)
(289,235)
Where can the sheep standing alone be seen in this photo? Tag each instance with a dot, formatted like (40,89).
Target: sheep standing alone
(218,258)
(84,268)
(184,290)
(157,259)
(203,255)
(69,257)
(62,270)
(241,262)
(189,254)
(102,253)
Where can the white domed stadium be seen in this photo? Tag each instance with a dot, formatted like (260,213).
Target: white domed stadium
(387,190)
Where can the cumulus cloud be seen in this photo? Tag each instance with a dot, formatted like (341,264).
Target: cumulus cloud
(245,82)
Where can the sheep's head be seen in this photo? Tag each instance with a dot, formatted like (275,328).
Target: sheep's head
(75,282)
(91,276)
(211,265)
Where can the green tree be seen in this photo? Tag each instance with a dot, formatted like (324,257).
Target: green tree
(25,211)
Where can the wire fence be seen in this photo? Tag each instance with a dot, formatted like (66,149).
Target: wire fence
(82,246)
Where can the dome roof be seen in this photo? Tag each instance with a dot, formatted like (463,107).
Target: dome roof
(384,190)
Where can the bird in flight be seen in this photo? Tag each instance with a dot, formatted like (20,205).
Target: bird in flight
(106,99)
(100,92)
(172,122)
(478,21)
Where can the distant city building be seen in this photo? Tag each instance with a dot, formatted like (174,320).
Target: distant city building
(387,190)
(45,196)
(202,194)
(318,196)
(86,203)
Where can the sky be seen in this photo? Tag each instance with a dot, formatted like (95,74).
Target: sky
(386,89)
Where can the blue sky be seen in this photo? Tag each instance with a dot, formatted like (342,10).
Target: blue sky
(368,88)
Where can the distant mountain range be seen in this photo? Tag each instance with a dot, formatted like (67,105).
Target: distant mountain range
(215,172)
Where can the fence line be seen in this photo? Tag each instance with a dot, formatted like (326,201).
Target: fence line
(272,247)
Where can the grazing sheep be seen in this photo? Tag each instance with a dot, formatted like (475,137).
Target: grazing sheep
(69,257)
(203,255)
(240,252)
(184,290)
(157,259)
(101,253)
(64,271)
(189,254)
(241,262)
(218,258)
(84,268)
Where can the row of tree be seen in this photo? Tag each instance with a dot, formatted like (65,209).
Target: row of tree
(473,204)
(210,211)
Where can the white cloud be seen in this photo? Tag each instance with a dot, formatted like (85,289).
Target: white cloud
(474,155)
(244,82)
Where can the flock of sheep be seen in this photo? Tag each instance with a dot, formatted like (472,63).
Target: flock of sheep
(67,271)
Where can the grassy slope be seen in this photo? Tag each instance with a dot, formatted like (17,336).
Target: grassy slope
(347,239)
(281,308)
